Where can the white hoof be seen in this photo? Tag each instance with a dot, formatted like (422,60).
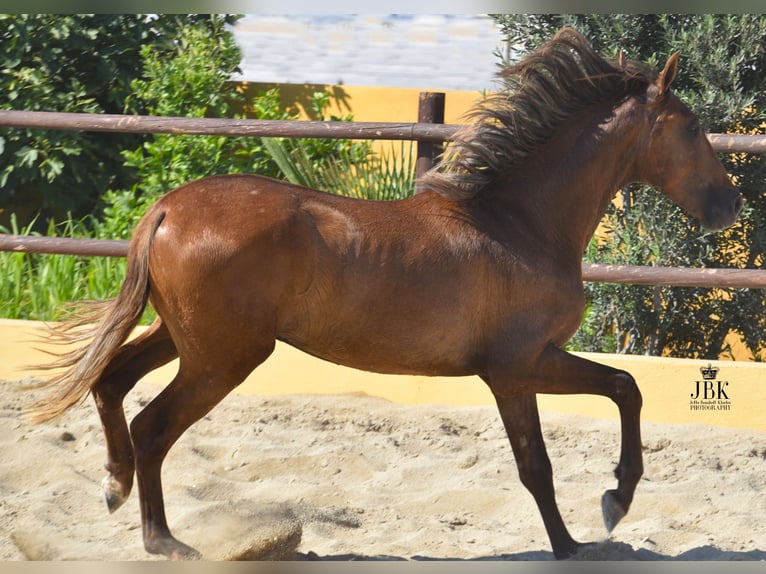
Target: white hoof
(113,493)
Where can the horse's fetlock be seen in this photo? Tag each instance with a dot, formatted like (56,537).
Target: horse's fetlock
(629,474)
(119,468)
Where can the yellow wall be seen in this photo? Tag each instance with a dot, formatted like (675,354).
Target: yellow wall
(666,384)
(367,104)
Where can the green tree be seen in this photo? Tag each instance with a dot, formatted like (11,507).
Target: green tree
(73,63)
(190,78)
(722,77)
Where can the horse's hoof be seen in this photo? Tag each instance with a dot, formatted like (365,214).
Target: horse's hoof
(612,509)
(113,493)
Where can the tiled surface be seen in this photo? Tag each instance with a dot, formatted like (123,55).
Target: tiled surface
(431,52)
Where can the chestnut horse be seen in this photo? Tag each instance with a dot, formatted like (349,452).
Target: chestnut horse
(480,274)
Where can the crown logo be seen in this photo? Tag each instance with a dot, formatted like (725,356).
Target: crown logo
(709,372)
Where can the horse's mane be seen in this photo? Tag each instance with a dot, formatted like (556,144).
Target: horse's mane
(542,91)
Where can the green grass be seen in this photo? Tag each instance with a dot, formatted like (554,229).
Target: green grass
(37,286)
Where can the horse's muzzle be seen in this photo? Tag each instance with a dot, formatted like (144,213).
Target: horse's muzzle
(723,209)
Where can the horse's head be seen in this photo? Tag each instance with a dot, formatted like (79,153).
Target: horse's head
(680,160)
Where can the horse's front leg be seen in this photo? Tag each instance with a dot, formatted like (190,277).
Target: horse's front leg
(522,423)
(559,372)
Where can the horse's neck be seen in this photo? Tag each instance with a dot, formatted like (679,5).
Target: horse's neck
(565,189)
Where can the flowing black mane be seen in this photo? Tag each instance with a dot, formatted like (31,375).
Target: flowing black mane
(542,91)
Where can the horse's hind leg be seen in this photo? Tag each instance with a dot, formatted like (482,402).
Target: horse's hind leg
(201,383)
(150,350)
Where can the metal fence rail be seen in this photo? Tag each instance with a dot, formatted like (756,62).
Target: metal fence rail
(427,132)
(227,127)
(594,272)
(675,276)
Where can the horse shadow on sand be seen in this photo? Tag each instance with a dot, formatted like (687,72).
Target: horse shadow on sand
(607,550)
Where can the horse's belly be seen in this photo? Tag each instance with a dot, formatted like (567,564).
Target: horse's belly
(405,351)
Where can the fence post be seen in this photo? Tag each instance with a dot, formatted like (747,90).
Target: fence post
(430,111)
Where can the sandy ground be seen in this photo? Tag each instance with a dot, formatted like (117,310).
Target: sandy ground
(362,478)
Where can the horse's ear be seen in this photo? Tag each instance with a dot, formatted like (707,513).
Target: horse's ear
(668,74)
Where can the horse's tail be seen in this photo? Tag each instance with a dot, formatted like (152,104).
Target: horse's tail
(105,324)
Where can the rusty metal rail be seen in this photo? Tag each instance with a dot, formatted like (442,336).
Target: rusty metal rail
(675,276)
(427,132)
(226,126)
(627,274)
(63,245)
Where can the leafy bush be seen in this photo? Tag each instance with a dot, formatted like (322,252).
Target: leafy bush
(190,79)
(73,63)
(385,176)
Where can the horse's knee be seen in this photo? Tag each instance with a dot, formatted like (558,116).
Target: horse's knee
(107,396)
(625,390)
